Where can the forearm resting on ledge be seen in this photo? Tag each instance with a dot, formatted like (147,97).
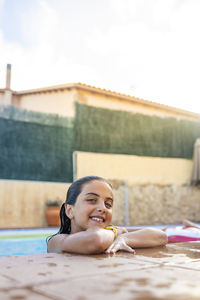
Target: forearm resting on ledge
(145,237)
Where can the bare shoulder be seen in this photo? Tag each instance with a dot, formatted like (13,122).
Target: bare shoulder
(55,242)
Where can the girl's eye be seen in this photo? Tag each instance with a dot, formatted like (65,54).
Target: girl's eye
(108,205)
(91,200)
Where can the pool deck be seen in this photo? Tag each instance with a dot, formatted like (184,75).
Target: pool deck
(171,272)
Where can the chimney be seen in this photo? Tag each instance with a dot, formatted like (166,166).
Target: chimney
(8,76)
(7,98)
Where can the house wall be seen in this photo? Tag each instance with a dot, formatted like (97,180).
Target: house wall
(123,104)
(1,96)
(6,97)
(59,102)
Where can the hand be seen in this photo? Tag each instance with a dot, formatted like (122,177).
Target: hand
(119,244)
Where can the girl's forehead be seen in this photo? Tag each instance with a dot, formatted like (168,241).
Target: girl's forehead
(97,185)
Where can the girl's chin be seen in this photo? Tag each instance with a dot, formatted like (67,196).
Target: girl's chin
(96,224)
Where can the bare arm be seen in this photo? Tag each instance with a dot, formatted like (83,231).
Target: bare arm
(142,238)
(145,237)
(90,241)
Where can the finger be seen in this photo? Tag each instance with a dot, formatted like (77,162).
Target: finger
(110,247)
(124,230)
(116,247)
(110,251)
(113,248)
(127,248)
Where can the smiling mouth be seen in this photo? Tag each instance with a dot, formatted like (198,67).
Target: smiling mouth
(97,219)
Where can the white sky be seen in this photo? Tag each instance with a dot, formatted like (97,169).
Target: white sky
(145,48)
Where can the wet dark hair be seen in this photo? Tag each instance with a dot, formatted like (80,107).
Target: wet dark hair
(72,194)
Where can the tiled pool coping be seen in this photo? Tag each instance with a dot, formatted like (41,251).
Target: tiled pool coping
(171,272)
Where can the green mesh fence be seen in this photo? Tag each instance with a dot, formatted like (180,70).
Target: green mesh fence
(108,131)
(36,146)
(14,113)
(36,151)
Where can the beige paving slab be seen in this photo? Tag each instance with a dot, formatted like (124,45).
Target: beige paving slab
(22,294)
(171,272)
(184,255)
(151,283)
(57,267)
(6,281)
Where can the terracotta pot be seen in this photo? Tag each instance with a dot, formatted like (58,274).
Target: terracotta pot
(52,215)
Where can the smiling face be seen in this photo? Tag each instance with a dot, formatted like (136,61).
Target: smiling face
(93,207)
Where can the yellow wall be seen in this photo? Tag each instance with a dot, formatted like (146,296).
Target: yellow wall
(6,98)
(55,102)
(114,103)
(134,169)
(1,97)
(22,203)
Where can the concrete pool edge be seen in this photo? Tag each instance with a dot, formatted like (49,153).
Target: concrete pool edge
(171,272)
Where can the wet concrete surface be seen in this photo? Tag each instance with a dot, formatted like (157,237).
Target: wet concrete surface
(171,272)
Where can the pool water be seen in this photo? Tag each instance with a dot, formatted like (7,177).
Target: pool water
(24,241)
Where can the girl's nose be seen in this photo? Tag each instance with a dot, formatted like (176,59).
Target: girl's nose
(101,207)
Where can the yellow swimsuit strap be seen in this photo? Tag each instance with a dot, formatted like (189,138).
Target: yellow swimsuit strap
(113,229)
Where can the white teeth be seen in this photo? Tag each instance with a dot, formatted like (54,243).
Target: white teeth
(97,219)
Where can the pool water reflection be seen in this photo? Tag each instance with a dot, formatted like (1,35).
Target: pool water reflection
(22,246)
(24,241)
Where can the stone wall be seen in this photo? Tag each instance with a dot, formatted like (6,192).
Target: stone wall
(155,204)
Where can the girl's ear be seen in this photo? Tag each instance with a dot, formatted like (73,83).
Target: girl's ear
(69,211)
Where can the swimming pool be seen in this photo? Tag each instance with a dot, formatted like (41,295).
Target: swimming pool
(24,241)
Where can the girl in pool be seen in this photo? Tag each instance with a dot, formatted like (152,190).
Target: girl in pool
(86,223)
